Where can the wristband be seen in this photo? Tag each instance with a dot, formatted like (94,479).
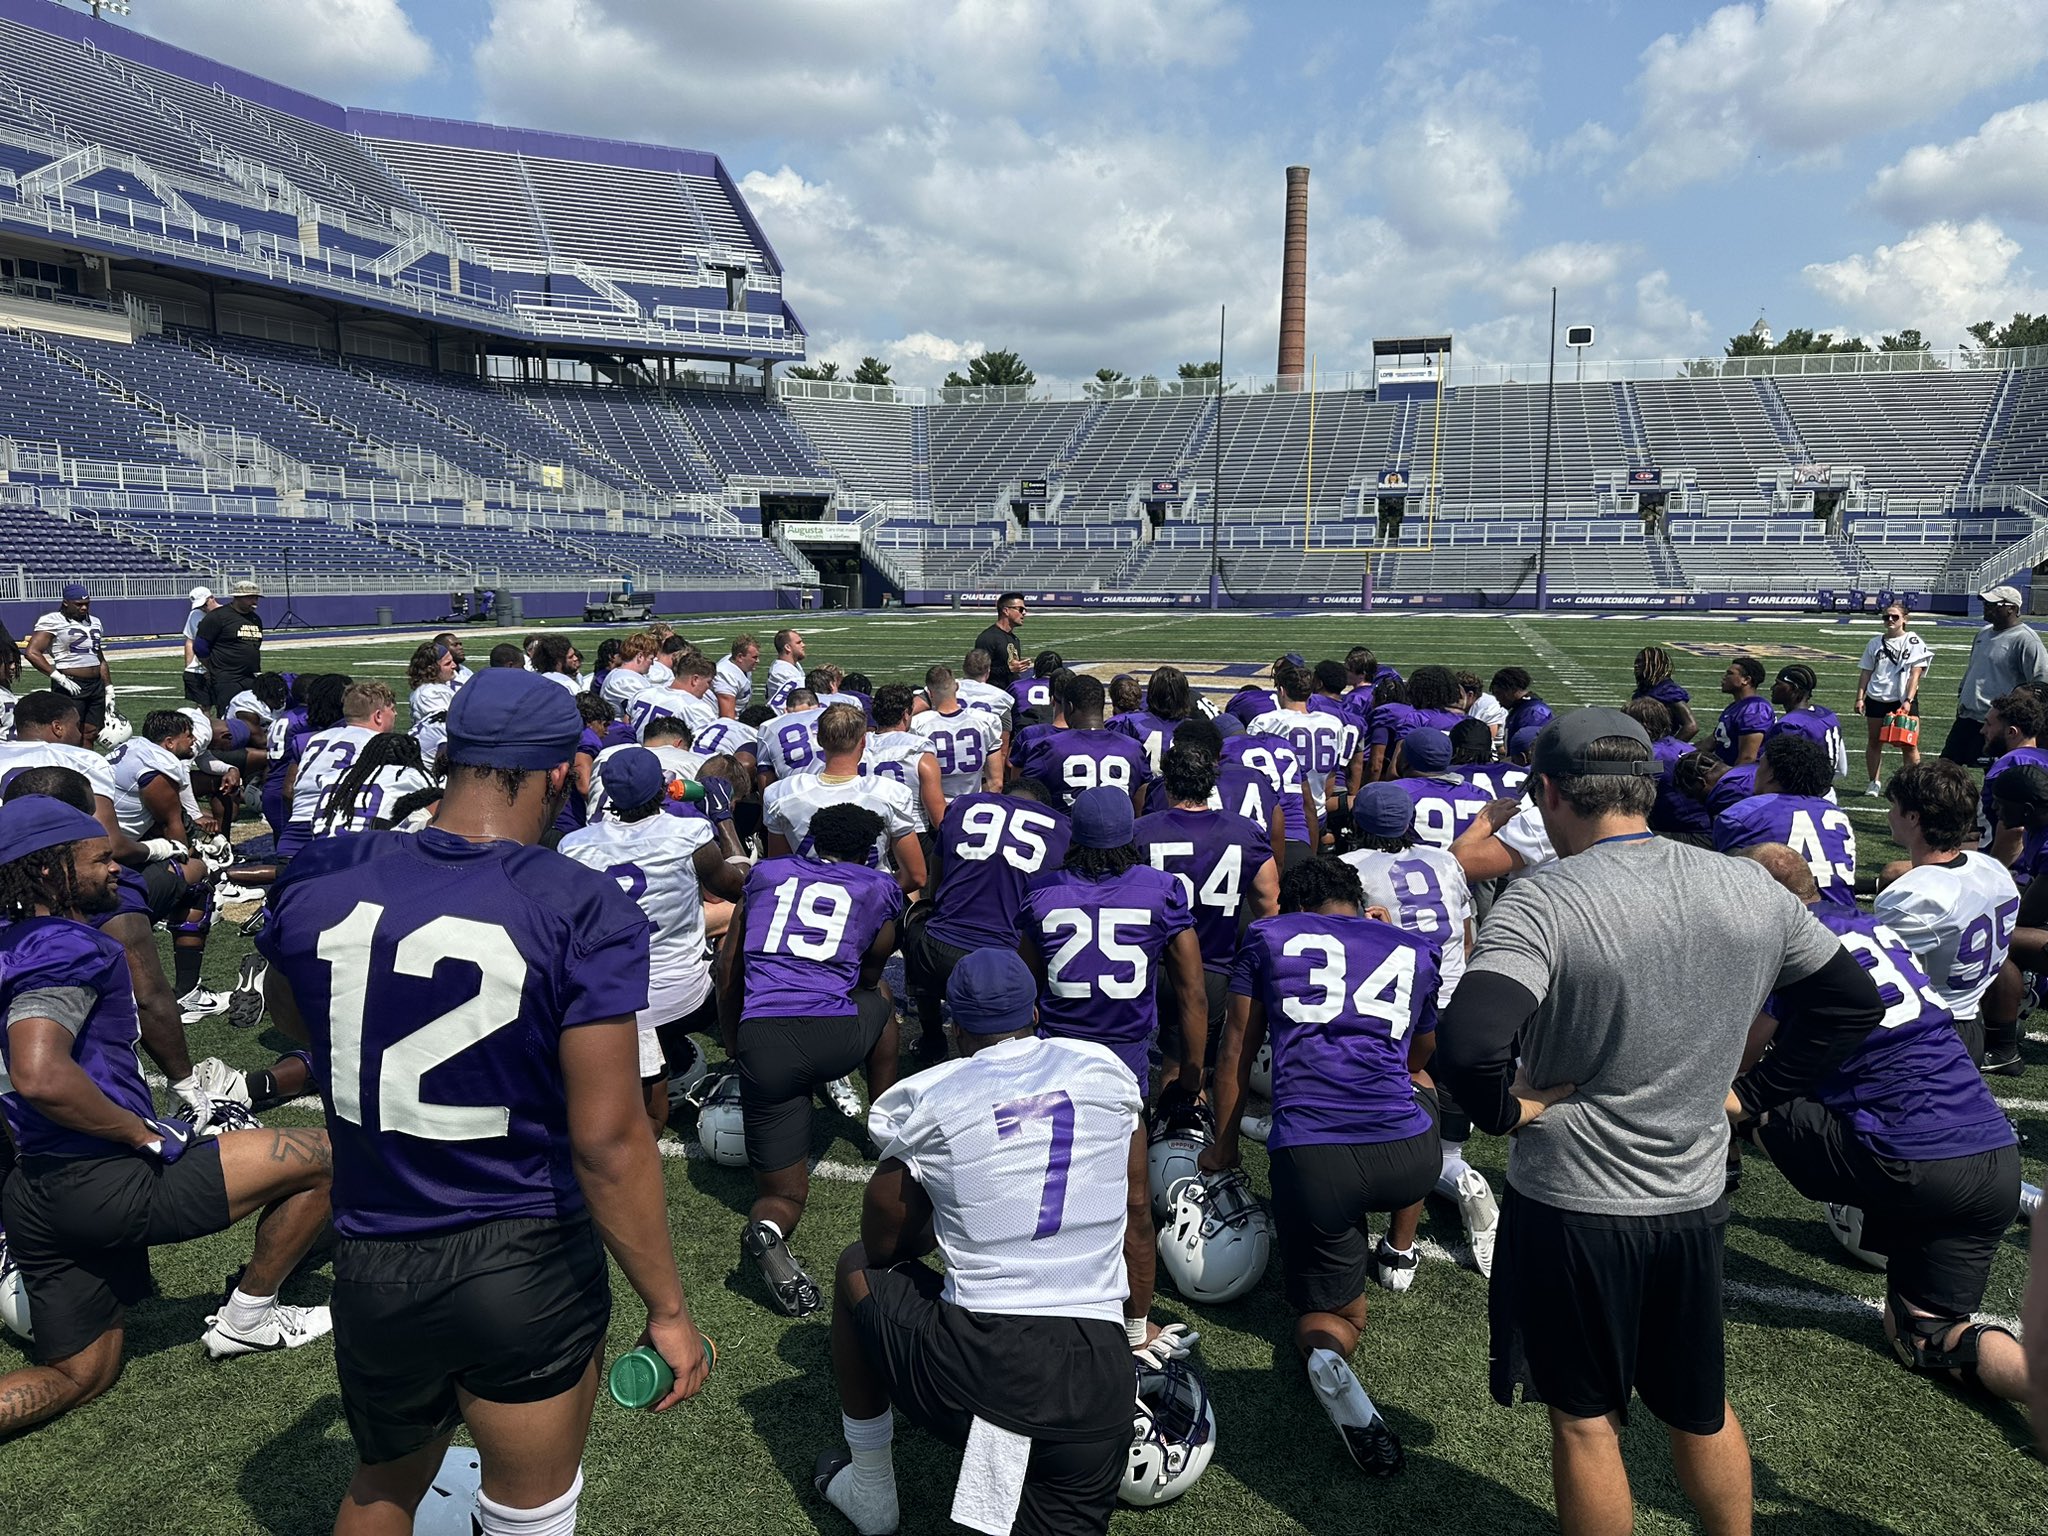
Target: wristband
(1136,1330)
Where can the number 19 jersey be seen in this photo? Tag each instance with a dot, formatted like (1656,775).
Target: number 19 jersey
(436,976)
(809,923)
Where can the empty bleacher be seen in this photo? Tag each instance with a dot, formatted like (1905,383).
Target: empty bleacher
(1716,427)
(42,400)
(977,449)
(1491,445)
(1914,433)
(867,444)
(35,543)
(1134,439)
(1758,553)
(2022,457)
(1266,447)
(638,428)
(747,435)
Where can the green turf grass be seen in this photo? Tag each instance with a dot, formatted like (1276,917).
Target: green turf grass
(1844,1441)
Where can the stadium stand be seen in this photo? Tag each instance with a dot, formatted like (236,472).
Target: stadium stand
(1716,427)
(978,449)
(1914,433)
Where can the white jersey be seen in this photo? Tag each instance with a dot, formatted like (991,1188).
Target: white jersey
(573,684)
(1428,894)
(430,705)
(6,715)
(374,803)
(462,675)
(725,738)
(1526,835)
(621,686)
(654,861)
(1024,1151)
(247,705)
(1324,743)
(789,744)
(896,755)
(677,767)
(1489,712)
(729,682)
(76,645)
(783,678)
(137,762)
(684,705)
(963,742)
(788,805)
(325,757)
(15,755)
(659,673)
(988,698)
(1957,919)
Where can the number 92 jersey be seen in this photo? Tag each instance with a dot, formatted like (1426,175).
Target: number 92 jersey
(435,977)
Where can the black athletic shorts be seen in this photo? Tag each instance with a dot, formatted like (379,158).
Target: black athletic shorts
(1587,1309)
(784,1061)
(1293,853)
(199,689)
(1877,709)
(927,961)
(91,700)
(1322,1195)
(1066,1382)
(510,1311)
(701,1020)
(81,1230)
(1939,1223)
(1171,1048)
(168,893)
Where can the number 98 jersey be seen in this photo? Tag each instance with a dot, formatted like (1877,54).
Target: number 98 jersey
(435,977)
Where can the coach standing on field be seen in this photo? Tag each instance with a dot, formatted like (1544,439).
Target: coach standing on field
(69,646)
(2005,654)
(1629,1011)
(231,640)
(1005,661)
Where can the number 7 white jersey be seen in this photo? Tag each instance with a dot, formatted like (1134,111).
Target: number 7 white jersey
(1957,919)
(1024,1149)
(1426,891)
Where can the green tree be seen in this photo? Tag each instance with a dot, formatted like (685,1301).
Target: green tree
(1794,342)
(1908,340)
(2023,330)
(1198,378)
(1005,370)
(872,370)
(1109,384)
(823,372)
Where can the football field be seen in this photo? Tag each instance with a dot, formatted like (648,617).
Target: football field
(1844,1441)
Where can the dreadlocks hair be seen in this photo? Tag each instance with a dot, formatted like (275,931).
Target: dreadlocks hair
(1102,863)
(46,878)
(418,800)
(1799,765)
(1188,771)
(1045,663)
(1943,795)
(1653,666)
(892,706)
(1167,694)
(1434,687)
(1802,679)
(298,690)
(1393,691)
(1689,773)
(1351,840)
(389,749)
(270,690)
(608,653)
(1315,882)
(324,700)
(1651,715)
(846,832)
(1471,743)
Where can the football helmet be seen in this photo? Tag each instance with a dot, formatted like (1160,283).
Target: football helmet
(685,1075)
(1262,1072)
(721,1127)
(13,1296)
(1173,1435)
(1846,1222)
(115,731)
(1178,1134)
(1217,1239)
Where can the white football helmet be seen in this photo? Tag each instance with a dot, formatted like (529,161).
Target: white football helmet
(685,1075)
(14,1305)
(1217,1239)
(1173,1435)
(115,731)
(1262,1072)
(1846,1222)
(721,1126)
(1178,1136)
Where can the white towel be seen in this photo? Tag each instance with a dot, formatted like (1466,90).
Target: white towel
(991,1479)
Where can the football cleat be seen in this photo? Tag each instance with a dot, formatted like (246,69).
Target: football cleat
(1375,1447)
(796,1293)
(844,1097)
(1257,1127)
(200,1003)
(1481,1214)
(1392,1268)
(1846,1222)
(13,1295)
(227,1116)
(245,1003)
(283,1327)
(1368,1438)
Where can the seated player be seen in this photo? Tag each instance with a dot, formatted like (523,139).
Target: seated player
(1349,1003)
(1444,800)
(384,787)
(967,743)
(101,1176)
(1325,744)
(368,709)
(1711,783)
(977,692)
(1274,759)
(431,676)
(1793,693)
(1904,1130)
(1087,754)
(1739,732)
(1789,807)
(153,799)
(687,696)
(896,750)
(2013,728)
(1654,681)
(1023,1164)
(1676,815)
(1037,691)
(789,805)
(789,743)
(1510,688)
(623,682)
(801,1005)
(1430,697)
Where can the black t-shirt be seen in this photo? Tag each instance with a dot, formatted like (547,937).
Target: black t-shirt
(233,641)
(1001,646)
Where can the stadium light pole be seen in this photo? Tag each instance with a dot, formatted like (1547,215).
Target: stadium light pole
(1543,517)
(1216,490)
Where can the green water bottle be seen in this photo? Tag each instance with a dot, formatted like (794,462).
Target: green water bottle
(640,1378)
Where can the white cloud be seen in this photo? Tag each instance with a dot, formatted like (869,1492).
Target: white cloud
(352,50)
(2001,168)
(1447,174)
(1797,79)
(1941,279)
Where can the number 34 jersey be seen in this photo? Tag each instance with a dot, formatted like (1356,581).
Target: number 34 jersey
(435,977)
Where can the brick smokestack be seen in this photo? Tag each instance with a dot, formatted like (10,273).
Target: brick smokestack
(1294,281)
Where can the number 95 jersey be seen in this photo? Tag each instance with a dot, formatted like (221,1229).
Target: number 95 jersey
(435,977)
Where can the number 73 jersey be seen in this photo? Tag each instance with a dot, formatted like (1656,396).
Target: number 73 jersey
(435,977)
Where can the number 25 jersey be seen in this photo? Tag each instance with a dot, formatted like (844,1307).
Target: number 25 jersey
(435,977)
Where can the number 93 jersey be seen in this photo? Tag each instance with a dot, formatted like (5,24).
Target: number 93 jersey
(435,977)
(1024,1149)
(963,742)
(1957,919)
(1342,996)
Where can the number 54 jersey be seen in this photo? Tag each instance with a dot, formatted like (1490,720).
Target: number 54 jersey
(435,977)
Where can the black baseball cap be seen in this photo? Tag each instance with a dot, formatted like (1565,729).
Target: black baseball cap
(1560,752)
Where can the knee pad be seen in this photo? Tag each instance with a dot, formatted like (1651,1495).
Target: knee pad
(195,927)
(555,1518)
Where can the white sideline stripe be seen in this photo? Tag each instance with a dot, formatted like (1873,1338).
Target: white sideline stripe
(2035,1106)
(1576,679)
(842,1173)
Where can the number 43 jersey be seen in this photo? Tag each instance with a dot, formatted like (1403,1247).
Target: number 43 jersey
(435,977)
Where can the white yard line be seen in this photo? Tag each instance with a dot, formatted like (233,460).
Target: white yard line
(843,1173)
(1580,683)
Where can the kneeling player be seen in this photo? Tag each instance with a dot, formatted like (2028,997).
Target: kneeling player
(801,1006)
(1905,1130)
(101,1178)
(1350,1006)
(1023,1163)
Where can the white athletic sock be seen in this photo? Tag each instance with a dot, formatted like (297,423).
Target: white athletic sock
(865,1492)
(557,1517)
(771,1226)
(1453,1166)
(245,1313)
(1339,1390)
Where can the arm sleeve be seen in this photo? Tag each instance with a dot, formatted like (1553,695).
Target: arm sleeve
(68,1007)
(1821,1019)
(1475,1051)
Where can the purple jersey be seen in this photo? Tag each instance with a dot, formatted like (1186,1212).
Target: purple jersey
(1667,693)
(2018,757)
(1392,722)
(435,976)
(1817,830)
(1675,810)
(809,925)
(285,743)
(1244,791)
(1731,789)
(1745,717)
(575,811)
(1342,996)
(1358,699)
(1443,807)
(1101,941)
(1816,722)
(1273,757)
(83,978)
(2033,859)
(990,847)
(1247,704)
(1526,713)
(1909,1090)
(1214,855)
(1070,761)
(1499,781)
(1153,734)
(1031,693)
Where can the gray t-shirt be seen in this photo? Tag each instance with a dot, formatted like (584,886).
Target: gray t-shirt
(2000,660)
(1649,960)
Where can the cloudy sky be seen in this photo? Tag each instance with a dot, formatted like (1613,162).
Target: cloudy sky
(1087,180)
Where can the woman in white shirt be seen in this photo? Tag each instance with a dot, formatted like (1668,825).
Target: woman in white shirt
(1888,679)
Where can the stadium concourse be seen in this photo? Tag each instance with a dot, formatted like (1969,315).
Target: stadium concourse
(1835,1428)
